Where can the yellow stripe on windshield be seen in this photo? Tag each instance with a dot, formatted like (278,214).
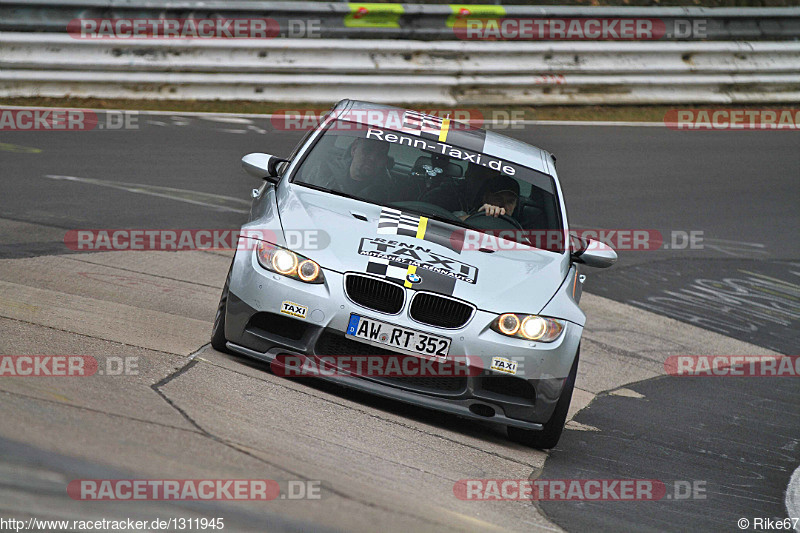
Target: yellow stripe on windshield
(445,129)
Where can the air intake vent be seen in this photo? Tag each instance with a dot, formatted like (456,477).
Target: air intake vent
(330,343)
(440,311)
(383,296)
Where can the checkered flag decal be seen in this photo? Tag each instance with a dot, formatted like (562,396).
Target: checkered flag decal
(417,123)
(396,266)
(391,270)
(395,222)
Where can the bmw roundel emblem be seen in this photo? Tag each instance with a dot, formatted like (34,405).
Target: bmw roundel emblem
(413,278)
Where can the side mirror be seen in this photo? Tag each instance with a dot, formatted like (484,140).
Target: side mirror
(263,166)
(593,253)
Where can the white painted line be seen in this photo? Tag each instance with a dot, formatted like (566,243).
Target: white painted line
(226,117)
(793,498)
(154,112)
(627,393)
(577,426)
(215,201)
(592,123)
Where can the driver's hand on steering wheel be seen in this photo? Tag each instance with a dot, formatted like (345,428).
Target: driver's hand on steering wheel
(492,210)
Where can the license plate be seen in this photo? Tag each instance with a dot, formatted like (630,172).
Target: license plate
(397,338)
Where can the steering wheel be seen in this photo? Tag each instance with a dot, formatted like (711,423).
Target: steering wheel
(508,219)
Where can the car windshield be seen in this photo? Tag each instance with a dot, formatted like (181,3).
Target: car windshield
(415,171)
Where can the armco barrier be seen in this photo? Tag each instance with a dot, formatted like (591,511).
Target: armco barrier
(338,20)
(437,73)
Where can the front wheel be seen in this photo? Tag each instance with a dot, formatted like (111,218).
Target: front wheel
(218,340)
(549,436)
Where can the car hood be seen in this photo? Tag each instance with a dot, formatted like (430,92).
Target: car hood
(348,235)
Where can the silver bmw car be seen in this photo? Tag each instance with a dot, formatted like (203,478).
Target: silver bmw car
(415,258)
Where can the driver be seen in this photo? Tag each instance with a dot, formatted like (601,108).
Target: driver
(500,197)
(502,202)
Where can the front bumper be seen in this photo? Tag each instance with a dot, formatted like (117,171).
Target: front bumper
(255,328)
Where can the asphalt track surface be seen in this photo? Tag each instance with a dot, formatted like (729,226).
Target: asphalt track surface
(219,416)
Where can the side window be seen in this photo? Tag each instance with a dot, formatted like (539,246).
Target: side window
(312,169)
(283,166)
(299,145)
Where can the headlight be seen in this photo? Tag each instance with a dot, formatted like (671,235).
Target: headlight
(530,327)
(287,263)
(508,324)
(284,262)
(308,271)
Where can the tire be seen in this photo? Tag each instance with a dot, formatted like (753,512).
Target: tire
(549,436)
(218,339)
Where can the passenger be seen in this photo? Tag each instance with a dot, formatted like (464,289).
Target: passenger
(362,172)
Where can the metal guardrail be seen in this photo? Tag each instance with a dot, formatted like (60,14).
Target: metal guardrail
(301,56)
(434,73)
(358,51)
(397,21)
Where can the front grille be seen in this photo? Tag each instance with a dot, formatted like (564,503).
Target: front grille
(331,343)
(374,293)
(443,385)
(440,311)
